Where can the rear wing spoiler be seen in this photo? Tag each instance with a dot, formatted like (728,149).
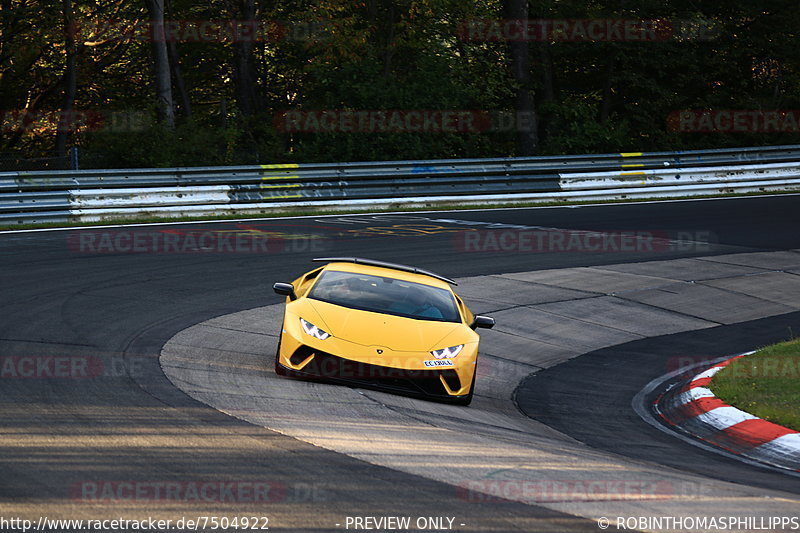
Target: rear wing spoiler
(393,266)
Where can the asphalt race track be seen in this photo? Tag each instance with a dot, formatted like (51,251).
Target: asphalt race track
(549,396)
(92,427)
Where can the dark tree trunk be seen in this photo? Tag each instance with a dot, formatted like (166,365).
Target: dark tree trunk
(244,72)
(164,103)
(383,16)
(548,122)
(524,103)
(65,120)
(389,48)
(180,85)
(177,74)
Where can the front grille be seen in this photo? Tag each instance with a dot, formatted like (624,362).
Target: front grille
(331,367)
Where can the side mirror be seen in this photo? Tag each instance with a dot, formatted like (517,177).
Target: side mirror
(485,322)
(284,289)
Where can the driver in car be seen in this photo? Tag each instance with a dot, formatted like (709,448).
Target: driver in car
(417,304)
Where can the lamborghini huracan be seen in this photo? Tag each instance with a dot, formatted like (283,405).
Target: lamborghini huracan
(379,325)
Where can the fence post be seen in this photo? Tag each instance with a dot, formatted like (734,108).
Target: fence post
(73,158)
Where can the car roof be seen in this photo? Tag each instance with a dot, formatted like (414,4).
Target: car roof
(359,268)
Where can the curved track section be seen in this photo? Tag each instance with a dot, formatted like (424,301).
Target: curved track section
(97,416)
(683,397)
(549,397)
(490,449)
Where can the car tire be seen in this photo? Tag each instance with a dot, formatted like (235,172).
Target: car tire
(279,369)
(466,400)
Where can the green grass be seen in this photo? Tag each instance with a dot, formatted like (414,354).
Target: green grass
(322,211)
(765,384)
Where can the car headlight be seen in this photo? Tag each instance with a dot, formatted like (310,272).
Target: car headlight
(447,353)
(313,330)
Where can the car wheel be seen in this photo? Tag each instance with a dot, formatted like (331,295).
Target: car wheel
(279,369)
(466,400)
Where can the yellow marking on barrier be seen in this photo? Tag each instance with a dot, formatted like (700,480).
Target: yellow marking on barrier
(632,173)
(281,165)
(633,165)
(631,154)
(278,166)
(283,186)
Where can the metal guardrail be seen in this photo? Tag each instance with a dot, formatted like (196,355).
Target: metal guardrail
(92,195)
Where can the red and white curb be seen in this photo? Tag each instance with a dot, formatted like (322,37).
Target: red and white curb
(692,408)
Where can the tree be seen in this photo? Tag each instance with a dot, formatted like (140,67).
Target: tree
(163,78)
(65,121)
(585,95)
(243,14)
(524,102)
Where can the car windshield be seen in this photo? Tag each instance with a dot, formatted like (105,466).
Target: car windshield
(382,294)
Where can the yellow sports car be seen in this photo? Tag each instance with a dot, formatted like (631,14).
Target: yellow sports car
(379,325)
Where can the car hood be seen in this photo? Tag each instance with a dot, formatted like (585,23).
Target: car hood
(377,329)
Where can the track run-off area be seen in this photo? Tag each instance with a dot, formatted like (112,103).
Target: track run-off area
(136,370)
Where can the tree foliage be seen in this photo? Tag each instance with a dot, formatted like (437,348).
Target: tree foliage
(94,68)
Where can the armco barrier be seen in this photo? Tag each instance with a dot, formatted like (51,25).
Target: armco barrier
(94,195)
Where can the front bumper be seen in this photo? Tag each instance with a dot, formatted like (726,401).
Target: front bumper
(443,384)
